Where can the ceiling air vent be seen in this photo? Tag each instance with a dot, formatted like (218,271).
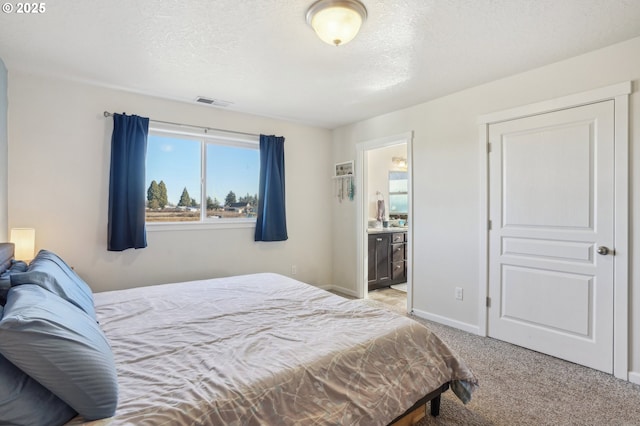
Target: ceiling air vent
(214,102)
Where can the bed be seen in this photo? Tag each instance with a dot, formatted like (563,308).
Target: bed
(260,349)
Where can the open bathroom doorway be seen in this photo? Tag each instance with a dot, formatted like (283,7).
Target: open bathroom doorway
(384,207)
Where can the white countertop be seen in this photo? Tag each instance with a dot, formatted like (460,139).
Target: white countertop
(389,229)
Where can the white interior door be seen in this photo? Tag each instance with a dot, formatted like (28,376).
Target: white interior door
(551,206)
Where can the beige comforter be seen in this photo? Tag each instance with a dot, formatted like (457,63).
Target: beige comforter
(265,349)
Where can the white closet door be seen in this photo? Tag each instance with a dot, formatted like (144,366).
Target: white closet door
(551,242)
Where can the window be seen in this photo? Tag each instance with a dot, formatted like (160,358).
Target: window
(201,176)
(398,195)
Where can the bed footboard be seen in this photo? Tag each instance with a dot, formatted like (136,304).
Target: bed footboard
(418,410)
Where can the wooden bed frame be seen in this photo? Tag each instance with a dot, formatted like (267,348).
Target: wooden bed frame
(419,410)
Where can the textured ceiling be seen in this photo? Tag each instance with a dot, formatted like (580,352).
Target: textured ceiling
(262,56)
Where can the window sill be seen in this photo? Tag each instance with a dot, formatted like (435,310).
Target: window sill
(197,226)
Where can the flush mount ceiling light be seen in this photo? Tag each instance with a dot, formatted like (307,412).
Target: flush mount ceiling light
(336,22)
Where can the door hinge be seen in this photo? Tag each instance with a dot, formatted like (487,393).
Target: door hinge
(488,147)
(488,302)
(489,225)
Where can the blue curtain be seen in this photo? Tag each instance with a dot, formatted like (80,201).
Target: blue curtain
(271,222)
(126,183)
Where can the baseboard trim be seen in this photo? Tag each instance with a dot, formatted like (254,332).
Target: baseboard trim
(634,377)
(470,328)
(345,291)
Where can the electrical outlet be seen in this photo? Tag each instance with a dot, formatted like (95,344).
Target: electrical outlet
(458,293)
(294,269)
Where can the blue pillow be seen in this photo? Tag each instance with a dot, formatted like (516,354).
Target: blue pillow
(50,272)
(16,266)
(5,285)
(25,402)
(62,348)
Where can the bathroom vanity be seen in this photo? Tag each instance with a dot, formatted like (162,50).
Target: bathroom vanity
(387,257)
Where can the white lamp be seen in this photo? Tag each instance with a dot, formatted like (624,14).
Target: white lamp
(25,241)
(336,22)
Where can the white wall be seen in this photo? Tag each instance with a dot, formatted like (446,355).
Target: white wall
(59,148)
(446,159)
(379,165)
(4,155)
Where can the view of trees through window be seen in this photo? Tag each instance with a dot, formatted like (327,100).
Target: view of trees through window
(177,173)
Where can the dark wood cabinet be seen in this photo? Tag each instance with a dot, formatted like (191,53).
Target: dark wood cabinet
(379,266)
(387,260)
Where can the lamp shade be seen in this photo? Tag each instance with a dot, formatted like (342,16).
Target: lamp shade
(336,22)
(25,242)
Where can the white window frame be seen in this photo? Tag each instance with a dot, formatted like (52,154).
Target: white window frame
(205,136)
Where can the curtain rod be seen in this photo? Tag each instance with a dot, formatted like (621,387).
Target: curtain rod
(108,114)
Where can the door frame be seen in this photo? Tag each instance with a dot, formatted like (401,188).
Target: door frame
(619,93)
(361,172)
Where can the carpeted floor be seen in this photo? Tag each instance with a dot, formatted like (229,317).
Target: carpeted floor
(523,387)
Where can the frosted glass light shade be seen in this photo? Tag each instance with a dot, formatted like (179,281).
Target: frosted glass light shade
(25,241)
(336,22)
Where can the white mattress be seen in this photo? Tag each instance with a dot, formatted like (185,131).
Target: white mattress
(265,349)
